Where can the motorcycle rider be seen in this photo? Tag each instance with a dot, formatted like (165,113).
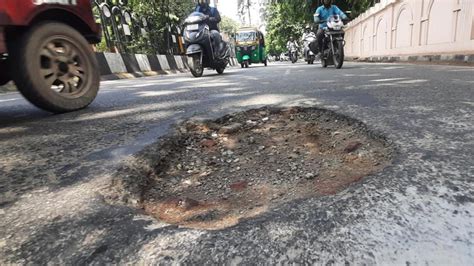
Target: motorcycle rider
(321,16)
(308,33)
(214,19)
(292,44)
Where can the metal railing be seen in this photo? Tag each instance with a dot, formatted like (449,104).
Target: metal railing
(123,28)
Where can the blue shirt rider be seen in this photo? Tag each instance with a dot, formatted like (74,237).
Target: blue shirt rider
(321,16)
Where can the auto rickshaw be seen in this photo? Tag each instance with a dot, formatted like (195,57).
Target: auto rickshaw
(250,47)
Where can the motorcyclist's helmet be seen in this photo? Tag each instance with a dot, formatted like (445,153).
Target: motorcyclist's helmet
(327,3)
(291,39)
(203,3)
(307,29)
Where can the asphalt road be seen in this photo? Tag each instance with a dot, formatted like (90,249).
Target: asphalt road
(418,211)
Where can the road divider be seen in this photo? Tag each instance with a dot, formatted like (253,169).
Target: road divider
(120,66)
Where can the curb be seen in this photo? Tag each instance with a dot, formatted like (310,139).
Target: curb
(453,59)
(126,66)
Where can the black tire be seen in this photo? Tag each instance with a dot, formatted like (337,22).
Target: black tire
(265,63)
(294,58)
(324,62)
(338,56)
(4,73)
(55,68)
(246,64)
(197,70)
(220,70)
(242,65)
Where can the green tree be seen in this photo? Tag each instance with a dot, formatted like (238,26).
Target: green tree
(287,19)
(228,25)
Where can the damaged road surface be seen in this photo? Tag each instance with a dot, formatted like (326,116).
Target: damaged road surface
(373,166)
(212,174)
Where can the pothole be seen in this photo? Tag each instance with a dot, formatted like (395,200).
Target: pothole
(211,174)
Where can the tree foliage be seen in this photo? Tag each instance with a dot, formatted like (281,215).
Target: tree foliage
(159,14)
(286,19)
(228,25)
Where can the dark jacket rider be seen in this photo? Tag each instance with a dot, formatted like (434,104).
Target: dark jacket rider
(214,19)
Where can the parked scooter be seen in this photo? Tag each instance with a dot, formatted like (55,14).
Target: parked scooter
(333,43)
(200,49)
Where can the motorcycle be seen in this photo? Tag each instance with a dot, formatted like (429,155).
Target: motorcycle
(199,47)
(309,56)
(333,43)
(293,54)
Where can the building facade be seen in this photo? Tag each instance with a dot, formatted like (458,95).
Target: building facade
(412,27)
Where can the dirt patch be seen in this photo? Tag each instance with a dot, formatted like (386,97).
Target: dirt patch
(211,174)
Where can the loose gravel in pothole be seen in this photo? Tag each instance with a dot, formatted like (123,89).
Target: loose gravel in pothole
(211,174)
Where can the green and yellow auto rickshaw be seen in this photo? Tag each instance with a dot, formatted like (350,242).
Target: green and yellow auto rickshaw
(250,47)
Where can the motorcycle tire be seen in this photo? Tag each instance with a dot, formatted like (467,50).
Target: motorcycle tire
(197,70)
(4,73)
(246,64)
(55,68)
(324,63)
(220,70)
(265,63)
(338,56)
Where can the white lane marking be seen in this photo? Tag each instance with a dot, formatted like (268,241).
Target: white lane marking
(159,93)
(362,75)
(413,81)
(384,80)
(9,100)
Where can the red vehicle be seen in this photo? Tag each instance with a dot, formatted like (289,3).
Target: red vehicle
(45,48)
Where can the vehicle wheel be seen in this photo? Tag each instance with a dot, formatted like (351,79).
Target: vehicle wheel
(324,62)
(265,63)
(55,68)
(242,65)
(338,56)
(197,70)
(220,70)
(246,64)
(4,73)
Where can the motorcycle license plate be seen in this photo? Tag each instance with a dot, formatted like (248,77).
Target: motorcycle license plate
(192,27)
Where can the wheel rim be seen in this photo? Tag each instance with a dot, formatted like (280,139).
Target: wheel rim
(63,67)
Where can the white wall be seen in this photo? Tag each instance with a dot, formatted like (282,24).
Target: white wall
(413,27)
